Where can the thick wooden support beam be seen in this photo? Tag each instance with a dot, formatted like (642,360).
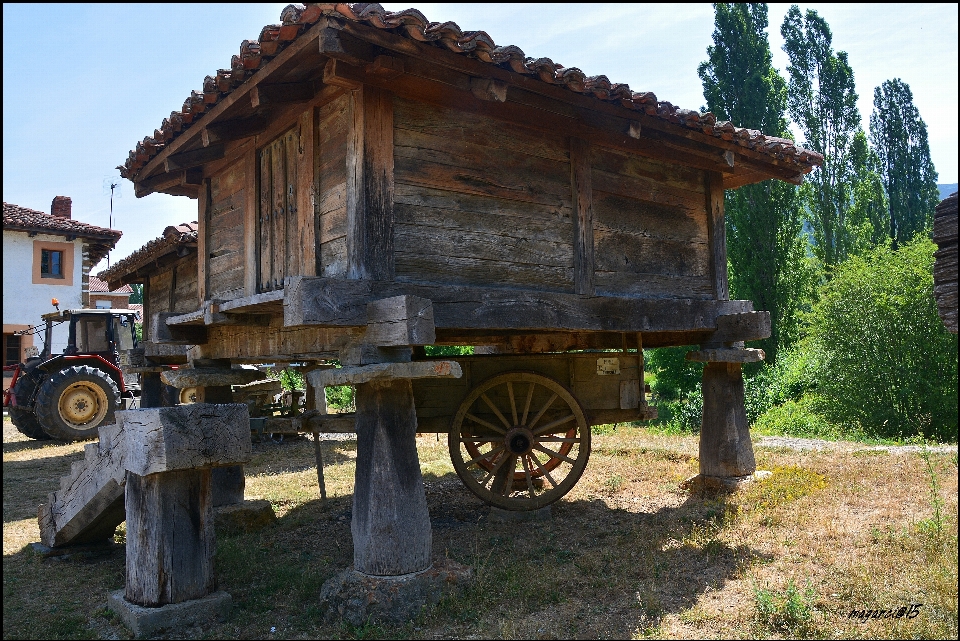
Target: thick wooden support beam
(384,371)
(400,321)
(186,437)
(194,158)
(344,47)
(341,302)
(733,328)
(161,333)
(233,129)
(725,447)
(391,525)
(170,537)
(281,94)
(210,377)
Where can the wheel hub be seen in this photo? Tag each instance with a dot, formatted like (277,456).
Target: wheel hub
(79,405)
(519,441)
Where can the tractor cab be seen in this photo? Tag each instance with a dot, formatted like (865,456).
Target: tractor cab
(94,332)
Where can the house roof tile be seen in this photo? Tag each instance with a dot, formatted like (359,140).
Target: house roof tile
(173,238)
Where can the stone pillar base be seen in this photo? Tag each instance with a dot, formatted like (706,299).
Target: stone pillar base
(702,484)
(145,622)
(248,516)
(361,598)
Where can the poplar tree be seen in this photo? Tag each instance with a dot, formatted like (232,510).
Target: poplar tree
(899,137)
(764,242)
(822,100)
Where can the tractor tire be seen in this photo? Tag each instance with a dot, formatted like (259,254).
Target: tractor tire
(76,401)
(23,416)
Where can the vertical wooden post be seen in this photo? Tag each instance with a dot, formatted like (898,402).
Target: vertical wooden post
(203,252)
(251,201)
(151,389)
(170,537)
(582,187)
(717,235)
(308,225)
(725,447)
(391,524)
(370,185)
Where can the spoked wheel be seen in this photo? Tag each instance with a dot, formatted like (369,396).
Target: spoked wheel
(519,441)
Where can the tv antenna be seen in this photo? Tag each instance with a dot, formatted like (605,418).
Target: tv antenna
(113,184)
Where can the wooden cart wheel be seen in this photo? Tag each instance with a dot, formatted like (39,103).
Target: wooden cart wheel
(519,441)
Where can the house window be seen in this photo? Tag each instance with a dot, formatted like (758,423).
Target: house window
(11,349)
(104,304)
(51,263)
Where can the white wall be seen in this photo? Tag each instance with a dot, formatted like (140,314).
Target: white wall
(24,302)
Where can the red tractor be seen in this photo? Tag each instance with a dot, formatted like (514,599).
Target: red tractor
(68,396)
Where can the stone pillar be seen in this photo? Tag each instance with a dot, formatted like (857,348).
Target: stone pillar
(168,456)
(170,538)
(725,447)
(391,525)
(726,453)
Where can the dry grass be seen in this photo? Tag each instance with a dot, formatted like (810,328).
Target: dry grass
(627,554)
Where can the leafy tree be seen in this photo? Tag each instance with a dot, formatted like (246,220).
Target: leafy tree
(137,296)
(764,220)
(869,218)
(822,100)
(899,137)
(883,361)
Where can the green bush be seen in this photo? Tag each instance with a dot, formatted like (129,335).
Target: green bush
(676,377)
(796,418)
(881,358)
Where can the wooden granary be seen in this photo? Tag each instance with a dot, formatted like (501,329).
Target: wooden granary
(370,182)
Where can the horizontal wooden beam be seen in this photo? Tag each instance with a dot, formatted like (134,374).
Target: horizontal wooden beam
(339,302)
(281,94)
(194,158)
(233,129)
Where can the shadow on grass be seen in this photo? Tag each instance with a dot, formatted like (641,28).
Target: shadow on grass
(601,565)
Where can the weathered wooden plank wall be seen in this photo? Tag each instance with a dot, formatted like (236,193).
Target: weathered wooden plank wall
(224,255)
(480,201)
(279,236)
(650,228)
(331,180)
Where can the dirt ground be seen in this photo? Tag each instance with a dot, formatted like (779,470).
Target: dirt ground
(627,554)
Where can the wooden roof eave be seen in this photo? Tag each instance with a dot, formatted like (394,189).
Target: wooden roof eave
(672,134)
(193,139)
(177,169)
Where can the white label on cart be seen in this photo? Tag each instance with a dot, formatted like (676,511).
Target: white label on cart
(607,366)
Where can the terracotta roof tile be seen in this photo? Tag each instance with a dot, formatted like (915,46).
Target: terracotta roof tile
(174,237)
(17,218)
(412,24)
(97,286)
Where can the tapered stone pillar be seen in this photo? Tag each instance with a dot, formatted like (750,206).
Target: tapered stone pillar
(391,525)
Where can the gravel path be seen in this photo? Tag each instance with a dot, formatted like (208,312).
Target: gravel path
(808,444)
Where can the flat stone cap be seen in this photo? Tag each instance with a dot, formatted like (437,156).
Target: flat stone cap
(204,377)
(185,437)
(384,372)
(727,355)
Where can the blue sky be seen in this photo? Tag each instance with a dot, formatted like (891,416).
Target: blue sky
(83,83)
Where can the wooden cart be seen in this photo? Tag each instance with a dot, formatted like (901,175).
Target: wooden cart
(369,182)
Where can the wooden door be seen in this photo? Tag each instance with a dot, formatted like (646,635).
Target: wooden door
(279,249)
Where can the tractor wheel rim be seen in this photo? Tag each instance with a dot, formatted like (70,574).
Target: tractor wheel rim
(82,403)
(188,395)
